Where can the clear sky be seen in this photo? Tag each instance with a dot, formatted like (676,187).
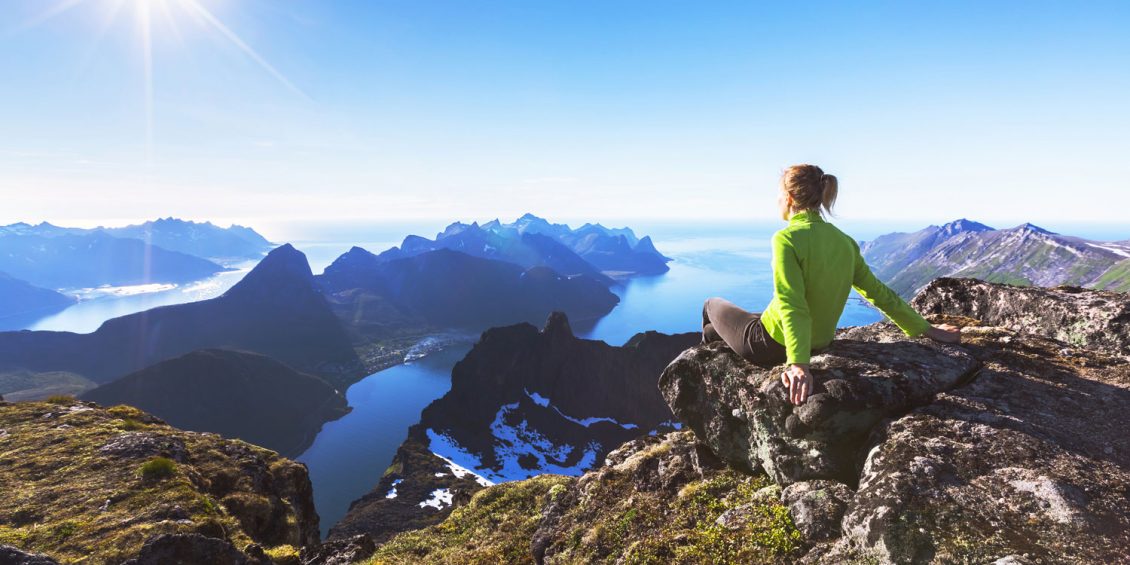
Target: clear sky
(261,111)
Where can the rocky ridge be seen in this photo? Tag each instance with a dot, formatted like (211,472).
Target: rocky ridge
(88,484)
(1007,448)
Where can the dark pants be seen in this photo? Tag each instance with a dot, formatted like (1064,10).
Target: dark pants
(742,331)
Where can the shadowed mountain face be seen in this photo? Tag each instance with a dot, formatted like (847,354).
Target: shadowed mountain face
(1026,255)
(69,260)
(445,288)
(276,310)
(522,402)
(21,298)
(233,393)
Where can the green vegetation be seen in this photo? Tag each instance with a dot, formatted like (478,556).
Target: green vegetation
(157,468)
(612,516)
(1117,278)
(495,527)
(64,497)
(64,399)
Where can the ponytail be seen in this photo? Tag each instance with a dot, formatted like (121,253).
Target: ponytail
(830,189)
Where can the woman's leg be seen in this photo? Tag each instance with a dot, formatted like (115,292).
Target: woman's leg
(729,322)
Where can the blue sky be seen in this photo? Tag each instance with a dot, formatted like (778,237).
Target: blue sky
(1000,111)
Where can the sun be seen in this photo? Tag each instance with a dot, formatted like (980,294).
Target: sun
(144,13)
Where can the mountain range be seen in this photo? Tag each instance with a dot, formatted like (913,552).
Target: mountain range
(1024,255)
(531,241)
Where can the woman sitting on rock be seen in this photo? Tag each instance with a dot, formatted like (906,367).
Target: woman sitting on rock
(815,266)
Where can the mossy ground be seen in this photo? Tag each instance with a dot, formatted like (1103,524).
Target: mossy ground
(651,527)
(495,527)
(609,516)
(64,498)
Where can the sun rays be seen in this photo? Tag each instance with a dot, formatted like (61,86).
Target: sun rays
(171,13)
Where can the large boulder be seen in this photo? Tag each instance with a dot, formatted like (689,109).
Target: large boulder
(742,410)
(1087,318)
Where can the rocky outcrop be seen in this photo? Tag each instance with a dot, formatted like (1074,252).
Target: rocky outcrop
(743,413)
(1085,318)
(1007,448)
(109,485)
(522,402)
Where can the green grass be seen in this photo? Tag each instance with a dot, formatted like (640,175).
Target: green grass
(157,468)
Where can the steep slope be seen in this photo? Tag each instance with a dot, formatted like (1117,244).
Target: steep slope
(87,484)
(1007,448)
(276,310)
(93,259)
(233,393)
(522,402)
(1025,254)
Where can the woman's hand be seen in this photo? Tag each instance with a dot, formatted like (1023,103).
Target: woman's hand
(799,381)
(944,333)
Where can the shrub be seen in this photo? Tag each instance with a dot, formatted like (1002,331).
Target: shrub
(60,399)
(157,468)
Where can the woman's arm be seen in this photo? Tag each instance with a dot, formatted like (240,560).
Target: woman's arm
(796,320)
(902,314)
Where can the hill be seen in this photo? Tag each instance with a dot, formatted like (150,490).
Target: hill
(233,393)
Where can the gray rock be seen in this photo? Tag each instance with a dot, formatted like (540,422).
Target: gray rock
(817,507)
(742,413)
(140,445)
(166,549)
(12,556)
(341,551)
(1077,316)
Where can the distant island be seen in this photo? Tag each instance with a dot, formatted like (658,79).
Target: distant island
(1024,255)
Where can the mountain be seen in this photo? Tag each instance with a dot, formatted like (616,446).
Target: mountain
(233,393)
(200,239)
(108,485)
(70,260)
(276,310)
(522,402)
(20,299)
(527,250)
(450,289)
(203,239)
(1025,254)
(1007,448)
(615,251)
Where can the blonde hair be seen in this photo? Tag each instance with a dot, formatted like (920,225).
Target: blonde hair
(810,188)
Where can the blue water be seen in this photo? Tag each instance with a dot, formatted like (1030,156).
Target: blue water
(350,455)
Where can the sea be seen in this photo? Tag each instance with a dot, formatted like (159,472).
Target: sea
(348,457)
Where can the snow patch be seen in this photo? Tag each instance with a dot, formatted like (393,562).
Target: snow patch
(439,498)
(544,402)
(392,491)
(1111,248)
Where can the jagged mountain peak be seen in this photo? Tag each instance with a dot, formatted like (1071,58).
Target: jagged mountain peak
(557,326)
(1029,227)
(282,265)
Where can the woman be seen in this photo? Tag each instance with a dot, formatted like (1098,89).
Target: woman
(815,266)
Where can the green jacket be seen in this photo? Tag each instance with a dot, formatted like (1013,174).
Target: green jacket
(815,266)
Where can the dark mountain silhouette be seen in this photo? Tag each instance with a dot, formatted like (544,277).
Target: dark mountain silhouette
(237,394)
(276,310)
(70,260)
(445,288)
(1025,255)
(19,299)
